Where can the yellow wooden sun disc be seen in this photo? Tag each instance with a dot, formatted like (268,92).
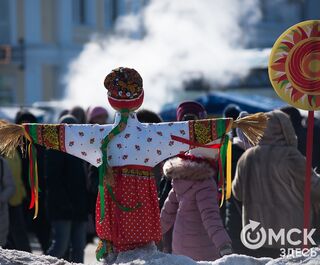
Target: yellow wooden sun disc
(294,65)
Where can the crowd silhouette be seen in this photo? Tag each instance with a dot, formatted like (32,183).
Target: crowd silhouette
(268,185)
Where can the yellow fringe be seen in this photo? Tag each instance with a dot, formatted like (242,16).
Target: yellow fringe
(11,136)
(252,126)
(228,171)
(222,195)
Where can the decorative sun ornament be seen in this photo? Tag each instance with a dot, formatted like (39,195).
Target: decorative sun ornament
(294,65)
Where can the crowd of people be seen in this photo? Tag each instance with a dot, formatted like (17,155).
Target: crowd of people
(268,187)
(68,190)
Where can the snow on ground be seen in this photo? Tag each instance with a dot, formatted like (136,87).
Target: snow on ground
(15,257)
(150,256)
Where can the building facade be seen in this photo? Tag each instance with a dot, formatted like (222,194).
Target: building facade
(39,38)
(276,17)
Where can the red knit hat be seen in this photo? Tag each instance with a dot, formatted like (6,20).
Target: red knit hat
(125,88)
(96,111)
(191,108)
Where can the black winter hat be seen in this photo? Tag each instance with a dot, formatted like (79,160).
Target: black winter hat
(24,116)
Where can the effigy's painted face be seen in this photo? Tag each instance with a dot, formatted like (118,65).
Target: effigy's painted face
(125,89)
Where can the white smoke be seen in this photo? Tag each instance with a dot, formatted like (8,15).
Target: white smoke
(181,38)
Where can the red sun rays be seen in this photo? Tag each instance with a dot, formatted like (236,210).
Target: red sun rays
(279,65)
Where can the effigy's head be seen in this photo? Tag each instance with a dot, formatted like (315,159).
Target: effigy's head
(125,88)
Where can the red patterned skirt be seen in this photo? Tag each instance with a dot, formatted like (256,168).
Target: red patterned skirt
(126,230)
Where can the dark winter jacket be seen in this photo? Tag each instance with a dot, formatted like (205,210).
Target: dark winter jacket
(7,189)
(67,189)
(164,189)
(233,217)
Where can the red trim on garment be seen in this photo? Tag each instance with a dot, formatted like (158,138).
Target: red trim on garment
(211,162)
(194,144)
(62,138)
(146,168)
(130,104)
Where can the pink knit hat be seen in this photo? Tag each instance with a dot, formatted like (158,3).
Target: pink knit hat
(191,107)
(96,111)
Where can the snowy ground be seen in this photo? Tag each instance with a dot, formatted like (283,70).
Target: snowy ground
(150,256)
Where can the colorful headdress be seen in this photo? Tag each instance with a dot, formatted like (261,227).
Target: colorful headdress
(125,88)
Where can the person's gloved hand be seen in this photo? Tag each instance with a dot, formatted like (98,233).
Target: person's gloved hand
(225,250)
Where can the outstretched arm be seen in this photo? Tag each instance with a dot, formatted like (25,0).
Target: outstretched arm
(170,139)
(80,140)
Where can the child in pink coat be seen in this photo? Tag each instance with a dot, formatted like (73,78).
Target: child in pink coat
(192,205)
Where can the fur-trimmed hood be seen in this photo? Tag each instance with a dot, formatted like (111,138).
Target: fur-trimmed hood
(178,168)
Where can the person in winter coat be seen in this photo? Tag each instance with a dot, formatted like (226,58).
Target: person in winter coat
(18,235)
(300,129)
(188,110)
(231,206)
(67,202)
(192,205)
(233,216)
(7,189)
(41,225)
(270,181)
